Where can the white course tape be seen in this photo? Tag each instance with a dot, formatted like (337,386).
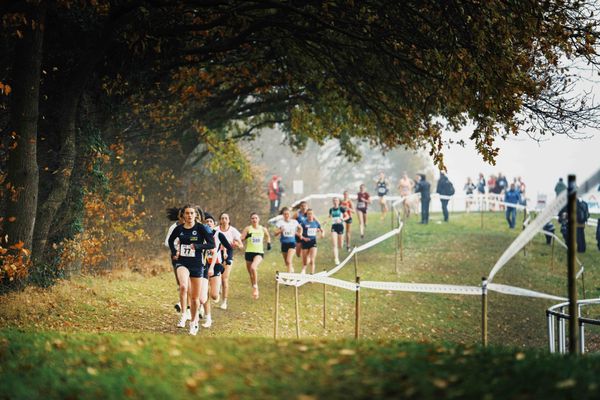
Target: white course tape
(517,291)
(422,287)
(377,240)
(286,279)
(537,224)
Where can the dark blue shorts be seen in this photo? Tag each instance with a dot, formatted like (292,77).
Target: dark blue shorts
(287,246)
(198,271)
(249,256)
(337,228)
(309,245)
(348,221)
(218,270)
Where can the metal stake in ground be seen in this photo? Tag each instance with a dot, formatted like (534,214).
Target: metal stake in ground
(297,312)
(276,328)
(355,265)
(396,250)
(357,310)
(324,305)
(571,278)
(484,307)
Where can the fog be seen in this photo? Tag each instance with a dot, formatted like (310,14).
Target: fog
(540,164)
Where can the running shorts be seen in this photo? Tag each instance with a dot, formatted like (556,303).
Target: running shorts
(337,228)
(287,246)
(309,245)
(249,256)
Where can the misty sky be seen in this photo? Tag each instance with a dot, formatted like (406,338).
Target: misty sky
(540,164)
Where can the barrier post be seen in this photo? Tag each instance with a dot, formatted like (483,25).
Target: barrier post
(297,312)
(401,246)
(552,254)
(392,215)
(583,287)
(276,328)
(571,279)
(324,305)
(484,307)
(396,252)
(355,265)
(357,310)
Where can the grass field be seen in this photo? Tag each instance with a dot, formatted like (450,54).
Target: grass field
(115,336)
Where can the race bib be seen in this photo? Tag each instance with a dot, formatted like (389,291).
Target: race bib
(381,190)
(311,232)
(337,220)
(288,233)
(256,240)
(187,250)
(361,204)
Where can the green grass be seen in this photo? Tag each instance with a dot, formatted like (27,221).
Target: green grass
(114,336)
(127,365)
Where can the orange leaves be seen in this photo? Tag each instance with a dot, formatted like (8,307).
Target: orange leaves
(5,89)
(14,264)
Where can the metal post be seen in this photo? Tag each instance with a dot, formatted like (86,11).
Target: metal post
(583,283)
(561,334)
(355,265)
(484,307)
(297,312)
(581,337)
(276,328)
(396,252)
(401,246)
(357,310)
(572,282)
(324,306)
(552,254)
(550,319)
(391,216)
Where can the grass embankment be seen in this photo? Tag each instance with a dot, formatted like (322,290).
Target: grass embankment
(115,335)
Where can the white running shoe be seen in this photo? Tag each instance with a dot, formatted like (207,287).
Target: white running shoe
(182,321)
(337,261)
(208,322)
(188,314)
(223,305)
(194,327)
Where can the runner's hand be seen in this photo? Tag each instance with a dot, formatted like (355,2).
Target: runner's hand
(269,246)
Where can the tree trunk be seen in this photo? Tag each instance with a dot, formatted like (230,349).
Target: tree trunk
(60,184)
(22,168)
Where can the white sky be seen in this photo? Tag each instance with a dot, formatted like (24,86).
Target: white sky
(539,164)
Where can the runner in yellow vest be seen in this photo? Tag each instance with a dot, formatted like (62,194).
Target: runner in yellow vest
(254,235)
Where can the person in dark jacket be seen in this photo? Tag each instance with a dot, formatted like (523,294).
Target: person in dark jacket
(512,196)
(549,227)
(560,186)
(424,188)
(582,214)
(445,189)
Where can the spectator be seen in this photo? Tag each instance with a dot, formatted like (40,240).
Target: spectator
(582,214)
(469,188)
(560,186)
(481,184)
(512,196)
(521,188)
(424,188)
(501,187)
(273,195)
(280,191)
(549,227)
(445,189)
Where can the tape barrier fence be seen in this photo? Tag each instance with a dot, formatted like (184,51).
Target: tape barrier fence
(288,278)
(559,241)
(422,287)
(517,291)
(537,224)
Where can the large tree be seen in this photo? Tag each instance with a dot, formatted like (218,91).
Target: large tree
(383,72)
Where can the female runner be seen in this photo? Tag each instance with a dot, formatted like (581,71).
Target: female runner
(176,214)
(288,229)
(234,238)
(362,202)
(300,216)
(254,235)
(347,204)
(310,229)
(382,191)
(194,238)
(336,213)
(215,259)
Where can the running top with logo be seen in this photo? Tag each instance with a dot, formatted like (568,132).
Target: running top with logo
(337,215)
(254,240)
(231,234)
(382,189)
(301,217)
(361,201)
(288,230)
(220,240)
(310,229)
(192,243)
